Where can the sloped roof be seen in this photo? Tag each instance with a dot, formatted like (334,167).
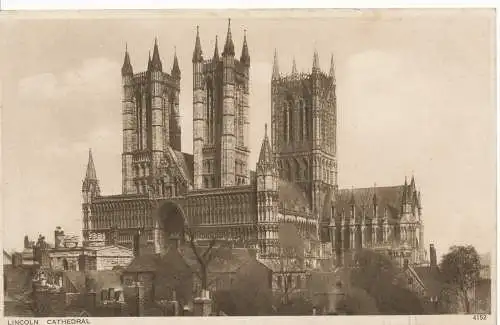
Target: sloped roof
(99,279)
(230,262)
(388,197)
(187,162)
(431,278)
(291,197)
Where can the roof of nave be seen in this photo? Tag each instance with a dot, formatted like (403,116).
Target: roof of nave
(389,197)
(292,197)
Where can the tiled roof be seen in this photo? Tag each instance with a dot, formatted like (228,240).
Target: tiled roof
(231,262)
(187,162)
(388,197)
(98,279)
(291,197)
(431,278)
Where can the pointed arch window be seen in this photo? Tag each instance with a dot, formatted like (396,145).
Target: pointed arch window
(302,119)
(290,121)
(285,123)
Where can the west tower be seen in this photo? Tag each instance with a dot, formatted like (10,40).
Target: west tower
(220,115)
(303,128)
(151,123)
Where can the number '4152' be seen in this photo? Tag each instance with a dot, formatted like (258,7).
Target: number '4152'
(479,317)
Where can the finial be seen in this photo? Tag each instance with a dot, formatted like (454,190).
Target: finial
(126,47)
(197,28)
(265,129)
(156,40)
(229,23)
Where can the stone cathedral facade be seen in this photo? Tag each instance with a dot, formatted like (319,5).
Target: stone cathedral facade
(214,193)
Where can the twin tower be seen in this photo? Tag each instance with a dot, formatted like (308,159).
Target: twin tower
(303,128)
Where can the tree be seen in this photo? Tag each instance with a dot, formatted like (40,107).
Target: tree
(206,255)
(356,301)
(378,276)
(291,259)
(460,268)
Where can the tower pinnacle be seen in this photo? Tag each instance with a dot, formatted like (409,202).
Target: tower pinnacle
(156,61)
(216,49)
(91,173)
(176,71)
(276,69)
(197,53)
(127,67)
(294,67)
(245,56)
(265,155)
(332,68)
(229,46)
(315,67)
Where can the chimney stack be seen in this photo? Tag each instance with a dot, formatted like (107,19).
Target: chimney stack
(433,257)
(58,237)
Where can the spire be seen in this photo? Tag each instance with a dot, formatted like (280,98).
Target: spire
(315,67)
(294,66)
(216,49)
(245,56)
(176,71)
(276,69)
(332,69)
(149,61)
(127,67)
(229,46)
(197,53)
(90,174)
(156,62)
(265,156)
(375,194)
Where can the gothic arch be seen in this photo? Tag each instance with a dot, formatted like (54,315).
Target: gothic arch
(172,222)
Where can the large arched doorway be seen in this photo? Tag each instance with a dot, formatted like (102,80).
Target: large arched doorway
(172,224)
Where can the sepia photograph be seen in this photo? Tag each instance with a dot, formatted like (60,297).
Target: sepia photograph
(249,163)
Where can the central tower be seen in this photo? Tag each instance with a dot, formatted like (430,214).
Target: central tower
(304,129)
(220,115)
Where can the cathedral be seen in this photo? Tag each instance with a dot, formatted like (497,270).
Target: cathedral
(215,194)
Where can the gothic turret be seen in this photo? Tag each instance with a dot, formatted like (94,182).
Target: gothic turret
(294,67)
(156,61)
(127,66)
(197,53)
(245,56)
(149,61)
(229,46)
(276,69)
(176,71)
(216,49)
(315,67)
(90,187)
(332,69)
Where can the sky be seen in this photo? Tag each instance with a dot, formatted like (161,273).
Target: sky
(415,88)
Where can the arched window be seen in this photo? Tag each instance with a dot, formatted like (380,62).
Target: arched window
(290,121)
(285,123)
(302,119)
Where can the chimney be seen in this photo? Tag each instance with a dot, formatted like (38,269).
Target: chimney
(27,243)
(433,257)
(17,259)
(58,237)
